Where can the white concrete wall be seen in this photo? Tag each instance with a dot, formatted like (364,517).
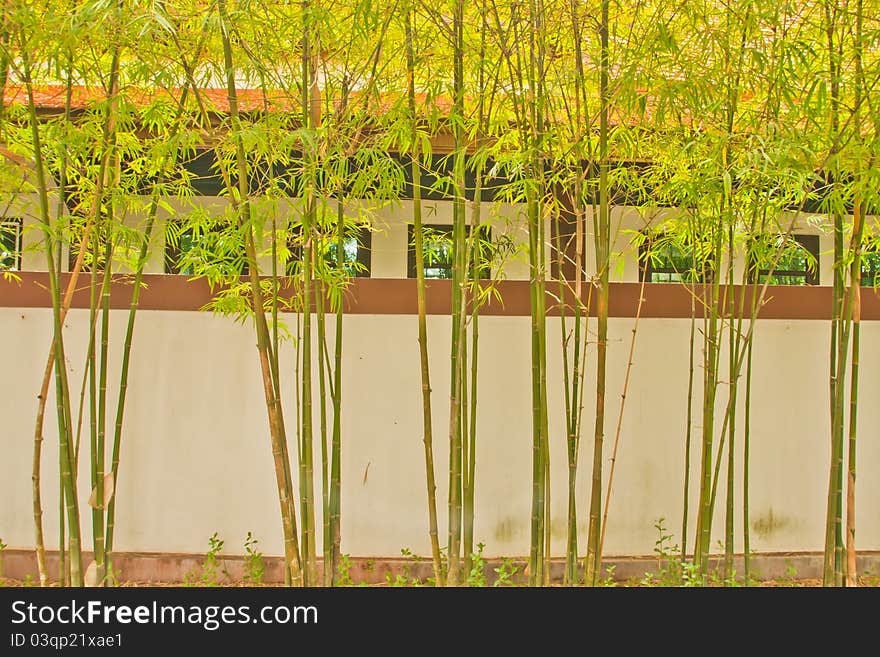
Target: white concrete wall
(196,456)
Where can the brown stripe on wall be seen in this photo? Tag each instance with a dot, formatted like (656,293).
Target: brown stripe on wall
(394,296)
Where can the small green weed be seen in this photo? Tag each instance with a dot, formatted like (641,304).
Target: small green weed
(343,571)
(870,578)
(790,576)
(405,578)
(608,580)
(254,565)
(477,575)
(207,573)
(506,573)
(671,569)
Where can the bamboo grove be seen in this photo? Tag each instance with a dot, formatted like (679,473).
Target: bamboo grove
(721,123)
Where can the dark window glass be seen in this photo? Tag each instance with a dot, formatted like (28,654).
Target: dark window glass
(665,259)
(356,250)
(798,264)
(89,257)
(217,247)
(10,244)
(564,244)
(437,244)
(96,247)
(871,267)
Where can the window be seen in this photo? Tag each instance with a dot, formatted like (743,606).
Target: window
(356,250)
(10,244)
(870,266)
(564,243)
(218,248)
(668,258)
(90,255)
(437,243)
(797,264)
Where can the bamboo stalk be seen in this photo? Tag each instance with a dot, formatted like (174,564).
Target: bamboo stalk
(747,552)
(727,217)
(306,483)
(603,247)
(470,464)
(98,415)
(469,446)
(855,281)
(570,573)
(427,426)
(36,485)
(464,424)
(540,71)
(710,385)
(50,362)
(525,73)
(580,355)
(845,562)
(61,392)
(99,455)
(326,543)
(851,565)
(142,257)
(538,463)
(336,444)
(579,360)
(534,110)
(629,363)
(273,404)
(832,525)
(459,316)
(733,383)
(688,432)
(90,378)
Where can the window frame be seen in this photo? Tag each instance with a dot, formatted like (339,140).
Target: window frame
(806,241)
(647,269)
(872,272)
(172,252)
(363,236)
(563,233)
(73,254)
(18,240)
(485,272)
